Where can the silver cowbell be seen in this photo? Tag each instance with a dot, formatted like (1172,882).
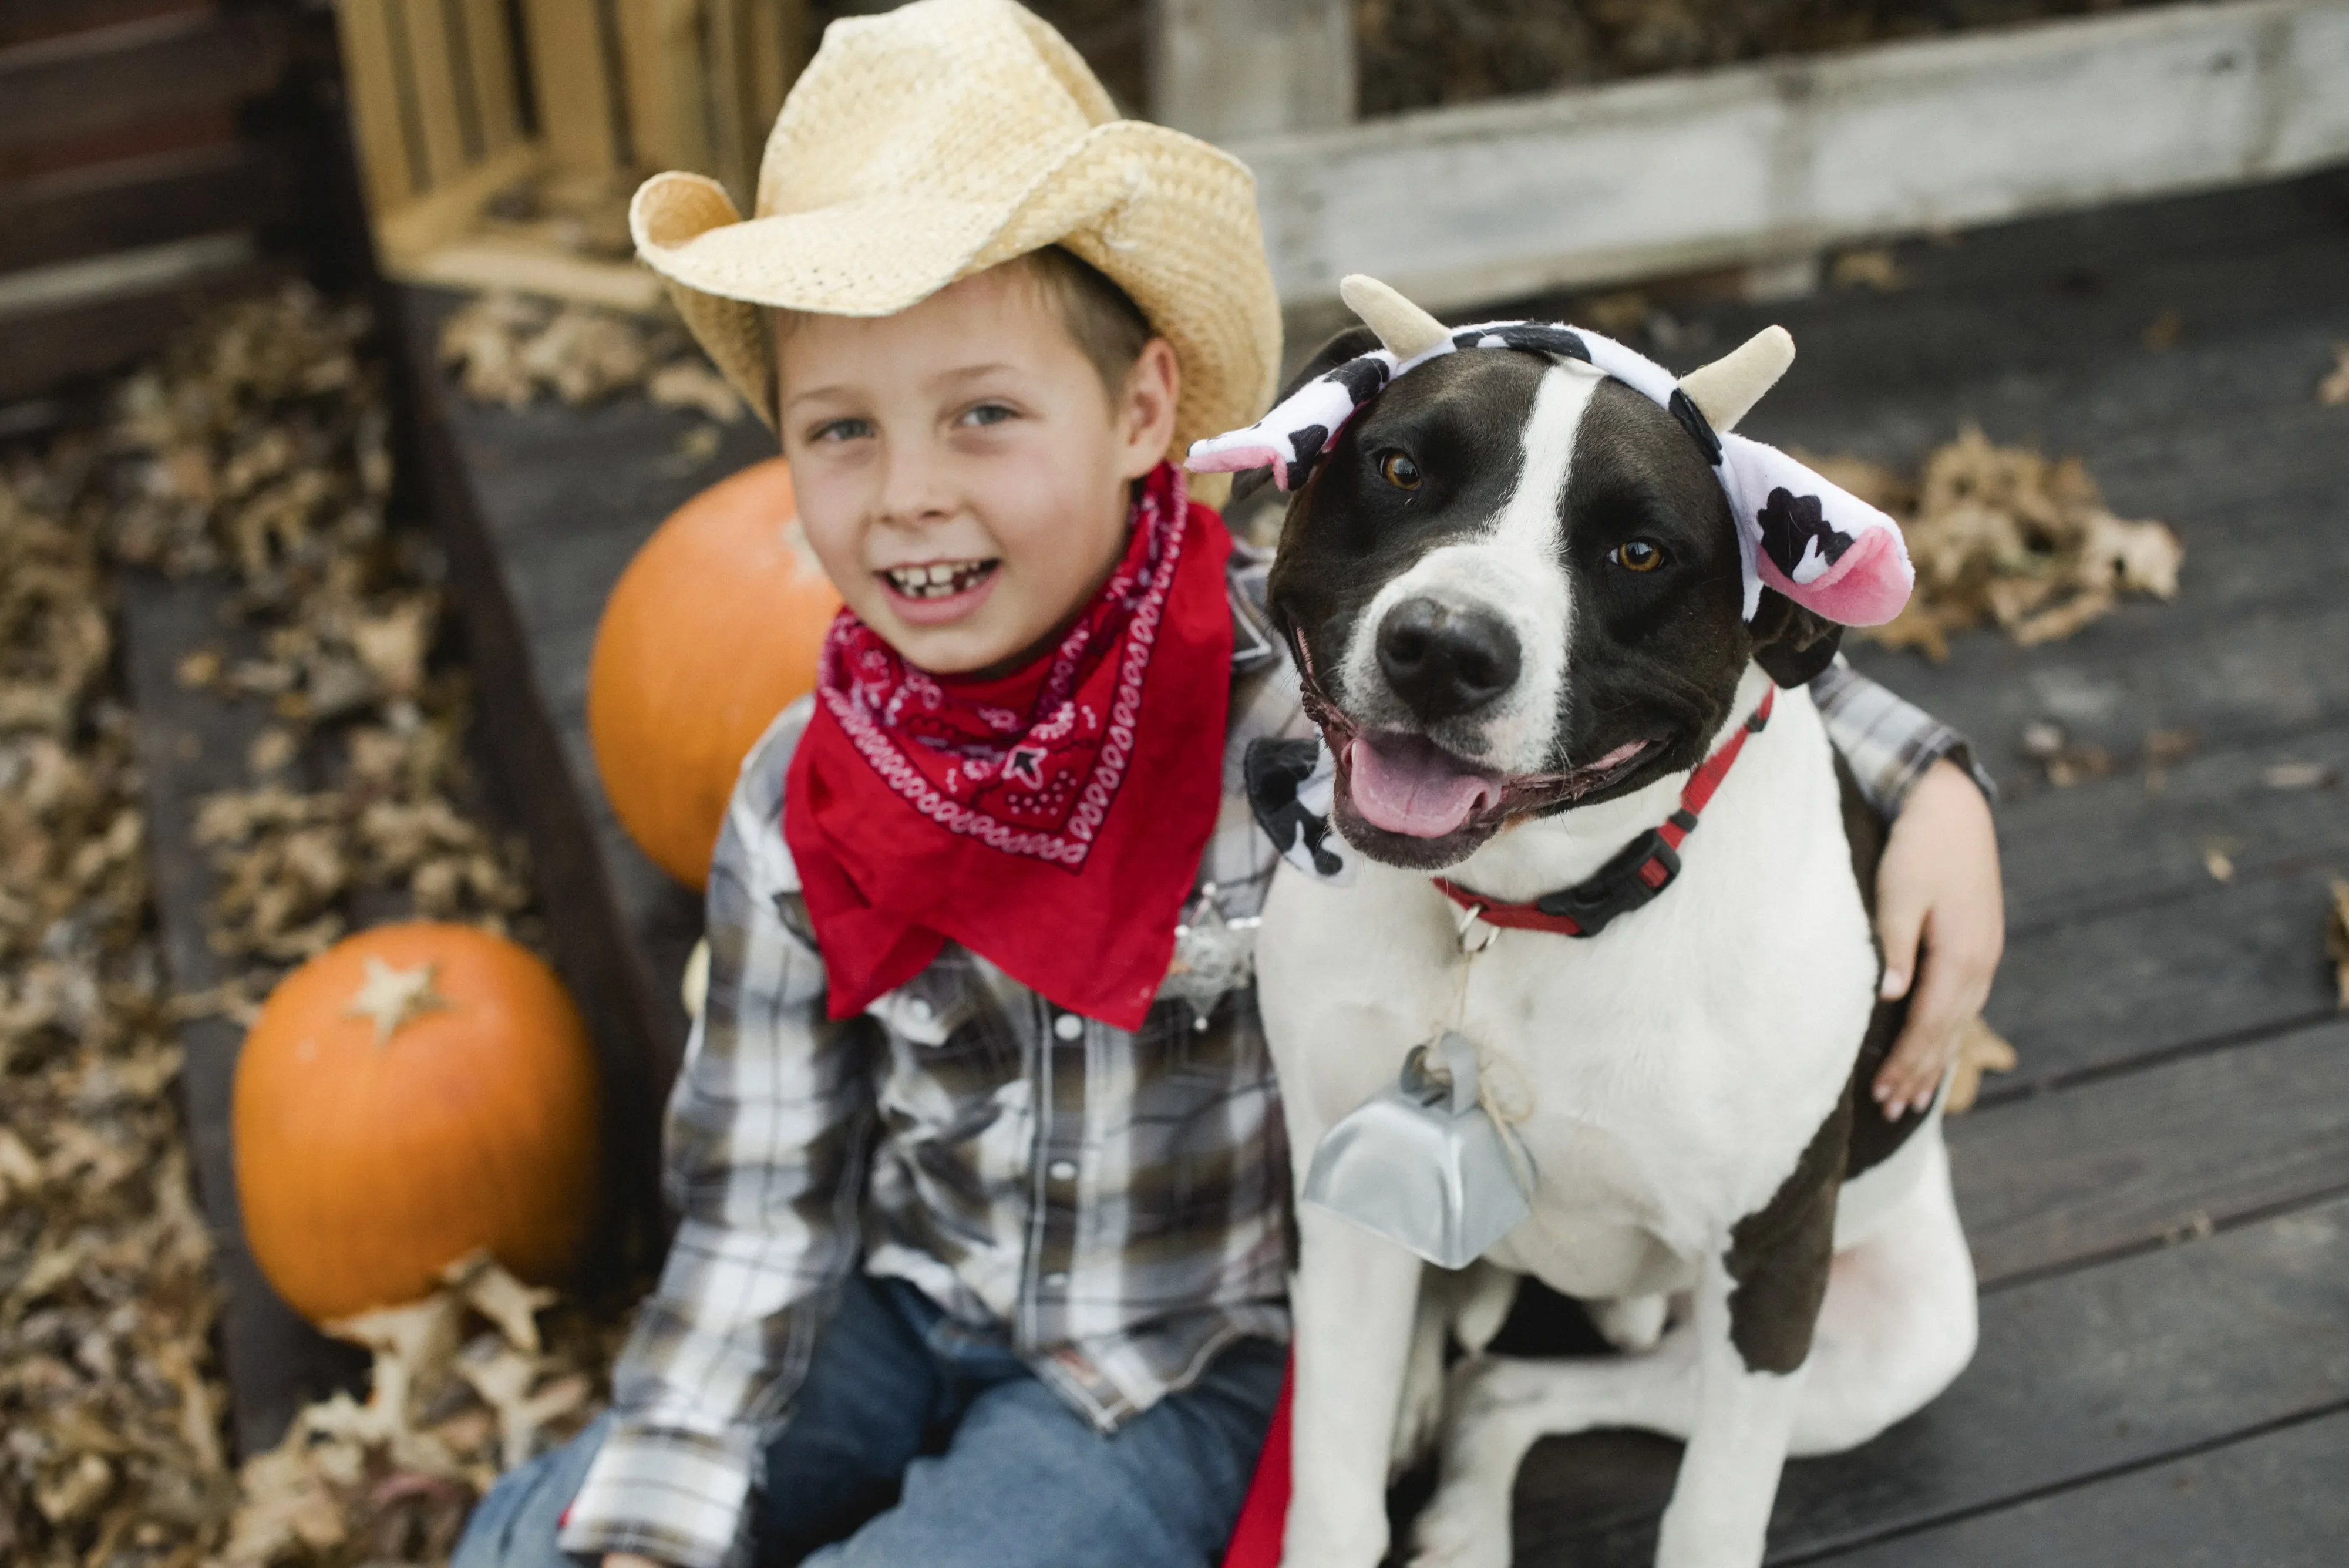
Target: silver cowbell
(1425,1164)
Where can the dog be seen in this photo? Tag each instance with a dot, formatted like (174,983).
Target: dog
(1525,622)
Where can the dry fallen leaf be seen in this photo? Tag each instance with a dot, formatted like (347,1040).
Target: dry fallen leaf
(2333,390)
(1873,267)
(689,384)
(2003,535)
(2298,775)
(1980,1049)
(256,448)
(2336,938)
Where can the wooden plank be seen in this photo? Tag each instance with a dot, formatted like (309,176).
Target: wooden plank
(406,233)
(2120,841)
(37,351)
(489,44)
(187,132)
(2230,962)
(364,32)
(2078,1376)
(1684,173)
(1228,69)
(109,76)
(432,85)
(661,57)
(2126,1162)
(491,263)
(23,21)
(570,86)
(2274,1499)
(190,744)
(143,202)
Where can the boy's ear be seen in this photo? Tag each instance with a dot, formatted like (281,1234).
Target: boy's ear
(1351,344)
(1792,644)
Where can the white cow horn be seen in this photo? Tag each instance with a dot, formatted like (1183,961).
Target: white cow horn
(1405,329)
(1724,390)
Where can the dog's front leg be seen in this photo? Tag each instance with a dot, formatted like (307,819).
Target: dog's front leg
(1354,1301)
(1757,1309)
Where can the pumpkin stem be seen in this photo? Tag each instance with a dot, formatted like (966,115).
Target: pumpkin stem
(392,997)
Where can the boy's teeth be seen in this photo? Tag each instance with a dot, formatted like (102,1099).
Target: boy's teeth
(936,581)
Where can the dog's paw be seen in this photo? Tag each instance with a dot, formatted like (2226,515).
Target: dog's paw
(1630,1324)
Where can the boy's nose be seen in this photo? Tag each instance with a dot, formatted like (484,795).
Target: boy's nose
(911,490)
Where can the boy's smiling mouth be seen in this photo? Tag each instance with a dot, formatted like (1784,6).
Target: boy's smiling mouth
(937,579)
(932,593)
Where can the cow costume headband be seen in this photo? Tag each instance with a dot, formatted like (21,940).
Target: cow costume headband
(1813,541)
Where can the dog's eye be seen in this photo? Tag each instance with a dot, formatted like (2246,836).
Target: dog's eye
(1398,470)
(1636,556)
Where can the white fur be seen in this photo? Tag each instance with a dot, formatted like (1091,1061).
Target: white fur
(1670,1071)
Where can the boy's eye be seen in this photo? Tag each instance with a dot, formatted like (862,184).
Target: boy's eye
(989,414)
(842,429)
(1398,470)
(1637,555)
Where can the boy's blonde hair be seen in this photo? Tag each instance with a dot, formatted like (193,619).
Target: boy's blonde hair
(1100,318)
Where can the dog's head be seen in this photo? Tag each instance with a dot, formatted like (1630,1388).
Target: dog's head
(1514,585)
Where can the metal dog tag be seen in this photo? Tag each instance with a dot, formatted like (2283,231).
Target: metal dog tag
(1424,1164)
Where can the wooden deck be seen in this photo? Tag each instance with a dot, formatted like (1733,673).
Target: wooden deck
(2158,1198)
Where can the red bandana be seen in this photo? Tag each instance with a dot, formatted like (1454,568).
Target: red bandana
(1052,820)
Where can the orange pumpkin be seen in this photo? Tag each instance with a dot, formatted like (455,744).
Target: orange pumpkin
(711,631)
(410,1093)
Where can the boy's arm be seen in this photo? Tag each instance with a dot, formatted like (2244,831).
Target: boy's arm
(764,1161)
(1938,894)
(1889,744)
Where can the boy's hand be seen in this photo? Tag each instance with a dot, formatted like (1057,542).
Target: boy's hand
(1941,916)
(628,1560)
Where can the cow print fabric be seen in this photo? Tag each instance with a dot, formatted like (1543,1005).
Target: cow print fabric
(1809,539)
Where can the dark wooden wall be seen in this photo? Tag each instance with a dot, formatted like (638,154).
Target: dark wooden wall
(156,155)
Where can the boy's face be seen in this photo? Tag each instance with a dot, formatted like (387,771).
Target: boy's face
(961,472)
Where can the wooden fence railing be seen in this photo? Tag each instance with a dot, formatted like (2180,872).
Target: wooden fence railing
(136,177)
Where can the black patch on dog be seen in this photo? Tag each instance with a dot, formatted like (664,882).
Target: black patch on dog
(1274,771)
(1790,521)
(1779,1255)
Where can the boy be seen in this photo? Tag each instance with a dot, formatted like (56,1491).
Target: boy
(977,1147)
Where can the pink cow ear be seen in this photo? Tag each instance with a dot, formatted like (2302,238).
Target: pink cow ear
(1815,542)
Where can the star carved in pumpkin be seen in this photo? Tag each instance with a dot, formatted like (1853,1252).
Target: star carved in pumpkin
(394,997)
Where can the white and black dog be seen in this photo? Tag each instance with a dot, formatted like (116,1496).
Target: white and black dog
(1527,608)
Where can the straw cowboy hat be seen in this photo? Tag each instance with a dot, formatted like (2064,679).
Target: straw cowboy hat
(939,139)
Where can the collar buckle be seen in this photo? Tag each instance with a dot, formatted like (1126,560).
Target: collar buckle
(1640,870)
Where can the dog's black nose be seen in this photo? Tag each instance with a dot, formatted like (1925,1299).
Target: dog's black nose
(1445,661)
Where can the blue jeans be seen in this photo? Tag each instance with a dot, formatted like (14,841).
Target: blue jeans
(913,1441)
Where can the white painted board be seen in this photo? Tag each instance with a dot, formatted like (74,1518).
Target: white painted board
(1678,173)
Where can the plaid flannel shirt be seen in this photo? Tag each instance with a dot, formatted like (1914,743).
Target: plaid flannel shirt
(1113,1206)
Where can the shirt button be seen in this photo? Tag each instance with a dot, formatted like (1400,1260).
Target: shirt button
(1056,1281)
(1069,1026)
(1061,1170)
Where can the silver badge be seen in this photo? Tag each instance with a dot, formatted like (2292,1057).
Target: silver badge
(1214,956)
(1426,1164)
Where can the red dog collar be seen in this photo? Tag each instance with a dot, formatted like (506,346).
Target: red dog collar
(1644,867)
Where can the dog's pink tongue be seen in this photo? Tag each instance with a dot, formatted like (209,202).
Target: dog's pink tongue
(1405,785)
